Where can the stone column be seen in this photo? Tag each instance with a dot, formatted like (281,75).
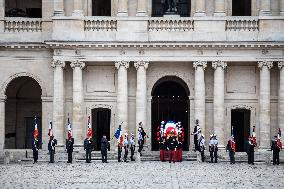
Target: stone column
(200,8)
(219,8)
(78,101)
(122,94)
(281,97)
(264,103)
(77,8)
(265,7)
(141,92)
(122,8)
(58,101)
(199,95)
(218,101)
(58,8)
(2,15)
(281,7)
(142,8)
(2,122)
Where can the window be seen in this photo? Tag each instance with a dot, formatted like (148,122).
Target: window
(101,7)
(23,8)
(161,7)
(241,8)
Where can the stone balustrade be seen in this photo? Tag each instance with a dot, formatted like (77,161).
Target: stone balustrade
(100,24)
(162,24)
(242,24)
(17,24)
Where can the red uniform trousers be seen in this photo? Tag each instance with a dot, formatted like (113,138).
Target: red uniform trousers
(163,155)
(172,156)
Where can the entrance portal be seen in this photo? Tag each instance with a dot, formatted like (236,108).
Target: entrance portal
(100,125)
(240,120)
(170,102)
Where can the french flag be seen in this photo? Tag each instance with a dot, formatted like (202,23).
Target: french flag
(69,128)
(50,132)
(89,131)
(118,134)
(35,129)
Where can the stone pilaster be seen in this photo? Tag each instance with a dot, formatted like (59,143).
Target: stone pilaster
(199,95)
(281,96)
(77,8)
(141,92)
(78,101)
(281,7)
(58,8)
(219,8)
(122,8)
(265,7)
(200,9)
(264,103)
(58,100)
(218,101)
(141,8)
(122,94)
(2,122)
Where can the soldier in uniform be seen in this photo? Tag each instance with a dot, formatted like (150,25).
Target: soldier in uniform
(215,143)
(163,146)
(141,138)
(69,148)
(250,150)
(88,147)
(211,148)
(201,147)
(119,150)
(276,149)
(231,147)
(132,147)
(104,147)
(172,146)
(125,146)
(197,134)
(51,148)
(35,148)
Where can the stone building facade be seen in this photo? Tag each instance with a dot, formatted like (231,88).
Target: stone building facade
(131,61)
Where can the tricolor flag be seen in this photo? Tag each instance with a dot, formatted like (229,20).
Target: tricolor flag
(233,141)
(89,130)
(69,127)
(279,133)
(50,132)
(232,134)
(254,135)
(118,134)
(35,129)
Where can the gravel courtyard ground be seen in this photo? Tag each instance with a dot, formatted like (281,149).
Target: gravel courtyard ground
(141,175)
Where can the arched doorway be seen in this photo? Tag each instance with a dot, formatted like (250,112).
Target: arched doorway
(100,125)
(160,8)
(240,121)
(170,102)
(22,104)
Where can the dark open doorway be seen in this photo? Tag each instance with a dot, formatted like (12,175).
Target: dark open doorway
(170,103)
(101,7)
(240,120)
(241,8)
(159,8)
(100,125)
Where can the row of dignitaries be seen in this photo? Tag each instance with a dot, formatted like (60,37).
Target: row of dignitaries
(170,136)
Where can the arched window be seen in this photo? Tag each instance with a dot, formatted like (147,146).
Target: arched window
(101,7)
(241,8)
(161,7)
(23,8)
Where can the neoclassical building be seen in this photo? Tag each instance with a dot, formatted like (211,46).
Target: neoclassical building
(219,61)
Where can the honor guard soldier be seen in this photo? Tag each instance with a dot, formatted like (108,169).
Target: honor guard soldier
(163,147)
(125,146)
(250,150)
(276,147)
(51,148)
(231,147)
(35,148)
(119,150)
(197,134)
(211,148)
(172,146)
(141,138)
(104,147)
(69,148)
(215,143)
(201,147)
(132,147)
(180,142)
(88,147)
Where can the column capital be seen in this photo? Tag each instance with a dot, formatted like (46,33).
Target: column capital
(200,63)
(58,63)
(261,64)
(3,98)
(141,63)
(219,63)
(280,64)
(77,63)
(118,64)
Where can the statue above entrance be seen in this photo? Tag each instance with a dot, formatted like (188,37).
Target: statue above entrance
(171,6)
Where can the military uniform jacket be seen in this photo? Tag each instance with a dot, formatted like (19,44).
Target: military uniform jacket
(69,145)
(51,144)
(172,143)
(87,144)
(35,145)
(162,144)
(274,146)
